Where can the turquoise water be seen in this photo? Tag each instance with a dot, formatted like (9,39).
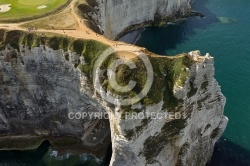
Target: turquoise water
(229,43)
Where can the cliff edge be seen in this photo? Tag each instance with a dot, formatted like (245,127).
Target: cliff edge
(116,17)
(81,91)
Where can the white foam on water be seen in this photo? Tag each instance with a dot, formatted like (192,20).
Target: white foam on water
(5,8)
(41,7)
(54,153)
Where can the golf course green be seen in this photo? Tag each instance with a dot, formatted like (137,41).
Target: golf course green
(22,10)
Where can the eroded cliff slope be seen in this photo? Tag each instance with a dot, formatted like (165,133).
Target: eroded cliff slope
(49,81)
(40,86)
(44,78)
(185,138)
(114,17)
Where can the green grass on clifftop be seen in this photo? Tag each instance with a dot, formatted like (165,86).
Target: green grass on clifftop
(21,10)
(169,72)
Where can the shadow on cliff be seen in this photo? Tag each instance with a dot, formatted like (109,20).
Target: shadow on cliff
(158,40)
(107,158)
(227,153)
(42,156)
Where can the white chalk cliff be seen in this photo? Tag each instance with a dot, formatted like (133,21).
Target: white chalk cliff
(186,141)
(43,79)
(115,16)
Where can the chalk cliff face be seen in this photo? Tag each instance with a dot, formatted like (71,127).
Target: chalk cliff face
(187,140)
(41,86)
(43,79)
(116,16)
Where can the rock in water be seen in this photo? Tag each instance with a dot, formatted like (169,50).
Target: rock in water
(226,20)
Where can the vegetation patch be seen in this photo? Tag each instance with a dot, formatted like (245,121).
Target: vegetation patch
(60,21)
(154,144)
(137,130)
(90,49)
(168,71)
(21,10)
(85,9)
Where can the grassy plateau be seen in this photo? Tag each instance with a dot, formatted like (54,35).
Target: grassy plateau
(22,10)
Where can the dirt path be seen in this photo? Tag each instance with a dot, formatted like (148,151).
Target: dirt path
(82,32)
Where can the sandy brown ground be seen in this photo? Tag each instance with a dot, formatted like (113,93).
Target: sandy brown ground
(82,32)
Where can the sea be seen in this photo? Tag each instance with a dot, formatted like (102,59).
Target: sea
(224,33)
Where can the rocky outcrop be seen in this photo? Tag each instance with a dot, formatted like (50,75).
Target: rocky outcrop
(114,17)
(188,134)
(40,91)
(42,84)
